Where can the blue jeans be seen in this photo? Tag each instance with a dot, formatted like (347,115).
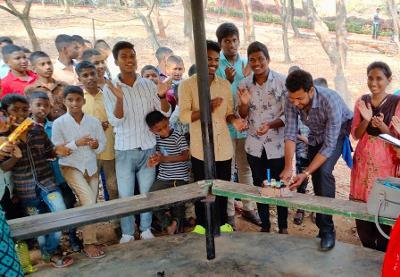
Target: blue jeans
(54,202)
(132,165)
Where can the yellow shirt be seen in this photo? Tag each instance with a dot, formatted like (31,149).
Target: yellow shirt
(95,107)
(189,102)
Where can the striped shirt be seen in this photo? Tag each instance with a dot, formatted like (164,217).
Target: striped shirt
(131,131)
(34,168)
(173,145)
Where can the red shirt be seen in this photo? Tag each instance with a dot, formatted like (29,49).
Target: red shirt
(13,84)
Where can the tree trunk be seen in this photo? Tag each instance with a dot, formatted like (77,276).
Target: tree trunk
(28,26)
(291,11)
(341,31)
(248,21)
(304,4)
(151,33)
(188,29)
(395,18)
(66,7)
(281,6)
(331,49)
(160,22)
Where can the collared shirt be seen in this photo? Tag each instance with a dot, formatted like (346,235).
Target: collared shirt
(33,169)
(239,64)
(267,104)
(14,84)
(325,118)
(112,68)
(67,130)
(95,107)
(4,69)
(65,74)
(161,74)
(189,102)
(131,131)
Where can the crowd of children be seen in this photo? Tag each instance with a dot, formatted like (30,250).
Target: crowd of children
(97,121)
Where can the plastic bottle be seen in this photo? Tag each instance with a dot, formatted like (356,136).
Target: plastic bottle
(21,247)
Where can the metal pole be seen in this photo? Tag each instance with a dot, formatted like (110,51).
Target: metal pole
(210,245)
(200,47)
(94,31)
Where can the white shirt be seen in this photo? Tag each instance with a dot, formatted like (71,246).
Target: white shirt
(67,130)
(112,67)
(131,131)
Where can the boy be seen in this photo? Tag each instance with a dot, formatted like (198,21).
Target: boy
(33,178)
(40,109)
(96,58)
(150,72)
(172,156)
(94,106)
(222,114)
(162,55)
(80,42)
(4,68)
(128,100)
(234,68)
(85,138)
(175,69)
(19,76)
(262,103)
(103,47)
(68,50)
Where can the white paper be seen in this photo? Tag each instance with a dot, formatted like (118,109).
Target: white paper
(390,139)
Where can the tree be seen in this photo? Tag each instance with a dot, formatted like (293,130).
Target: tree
(160,22)
(281,5)
(66,7)
(188,28)
(336,50)
(248,21)
(291,11)
(25,19)
(148,23)
(395,18)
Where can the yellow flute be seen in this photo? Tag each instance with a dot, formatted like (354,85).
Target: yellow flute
(16,134)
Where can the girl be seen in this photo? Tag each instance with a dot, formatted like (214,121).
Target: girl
(373,157)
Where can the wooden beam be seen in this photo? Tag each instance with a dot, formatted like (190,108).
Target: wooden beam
(311,203)
(33,226)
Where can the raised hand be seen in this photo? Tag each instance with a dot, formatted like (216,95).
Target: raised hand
(116,90)
(163,87)
(365,110)
(215,103)
(246,70)
(230,73)
(244,95)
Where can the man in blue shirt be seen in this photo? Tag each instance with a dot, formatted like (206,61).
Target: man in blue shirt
(234,68)
(324,112)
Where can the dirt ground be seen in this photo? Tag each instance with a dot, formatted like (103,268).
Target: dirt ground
(113,25)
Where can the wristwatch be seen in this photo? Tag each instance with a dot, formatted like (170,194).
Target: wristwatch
(305,172)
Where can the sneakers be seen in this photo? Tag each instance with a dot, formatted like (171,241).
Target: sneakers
(147,235)
(226,228)
(126,238)
(199,230)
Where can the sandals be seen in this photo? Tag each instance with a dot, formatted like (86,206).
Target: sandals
(101,255)
(59,261)
(298,218)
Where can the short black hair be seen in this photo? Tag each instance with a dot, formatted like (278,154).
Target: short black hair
(322,82)
(299,79)
(149,67)
(162,51)
(225,30)
(257,46)
(4,39)
(38,95)
(101,44)
(12,98)
(72,89)
(121,45)
(154,117)
(78,39)
(293,68)
(26,50)
(87,41)
(174,59)
(83,65)
(9,49)
(381,66)
(192,70)
(213,45)
(37,55)
(62,41)
(89,53)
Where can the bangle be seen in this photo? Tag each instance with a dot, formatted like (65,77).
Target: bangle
(305,172)
(161,97)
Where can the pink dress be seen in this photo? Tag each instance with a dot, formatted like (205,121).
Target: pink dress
(372,158)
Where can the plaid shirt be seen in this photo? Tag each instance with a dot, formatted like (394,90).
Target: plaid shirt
(328,113)
(34,168)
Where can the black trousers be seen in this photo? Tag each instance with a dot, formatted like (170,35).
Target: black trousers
(223,172)
(11,210)
(259,168)
(301,164)
(370,236)
(324,181)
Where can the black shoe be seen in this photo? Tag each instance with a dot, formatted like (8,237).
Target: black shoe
(252,216)
(327,241)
